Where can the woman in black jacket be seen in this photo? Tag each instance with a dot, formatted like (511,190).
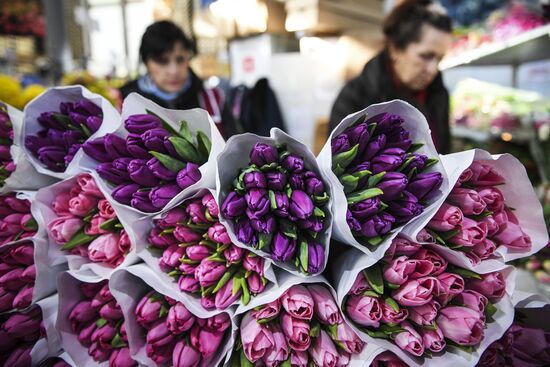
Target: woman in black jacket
(418,34)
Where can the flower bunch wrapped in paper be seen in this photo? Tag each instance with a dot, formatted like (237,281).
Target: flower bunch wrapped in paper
(19,332)
(17,275)
(303,327)
(16,220)
(278,203)
(198,253)
(7,166)
(84,223)
(423,304)
(153,159)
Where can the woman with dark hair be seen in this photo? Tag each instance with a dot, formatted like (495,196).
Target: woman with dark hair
(170,82)
(418,34)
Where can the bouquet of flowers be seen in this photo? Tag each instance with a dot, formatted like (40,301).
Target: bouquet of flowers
(152,160)
(198,253)
(277,204)
(7,166)
(17,221)
(17,276)
(384,173)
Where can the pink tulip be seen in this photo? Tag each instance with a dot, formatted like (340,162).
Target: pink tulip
(205,340)
(23,299)
(105,248)
(7,299)
(492,225)
(171,257)
(433,339)
(471,233)
(103,336)
(105,209)
(391,316)
(12,280)
(82,204)
(279,351)
(188,284)
(267,311)
(102,297)
(253,262)
(448,286)
(296,332)
(343,359)
(409,340)
(493,197)
(220,322)
(298,359)
(159,336)
(121,358)
(347,339)
(402,269)
(255,283)
(208,302)
(256,338)
(218,233)
(425,314)
(148,310)
(404,246)
(63,229)
(387,359)
(19,357)
(485,249)
(94,227)
(233,254)
(364,310)
(124,245)
(297,301)
(225,297)
(416,292)
(60,204)
(98,353)
(179,319)
(90,289)
(513,237)
(447,218)
(186,235)
(461,325)
(491,285)
(82,312)
(161,355)
(473,300)
(439,263)
(360,285)
(185,355)
(23,254)
(469,201)
(323,351)
(326,310)
(111,311)
(425,237)
(88,186)
(196,211)
(484,175)
(29,274)
(210,203)
(209,272)
(198,252)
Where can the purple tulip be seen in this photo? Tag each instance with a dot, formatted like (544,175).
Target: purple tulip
(96,149)
(71,153)
(198,252)
(376,144)
(425,185)
(6,300)
(108,172)
(282,247)
(138,124)
(358,135)
(23,325)
(405,208)
(257,201)
(189,175)
(71,137)
(280,204)
(171,257)
(399,139)
(188,283)
(140,200)
(185,355)
(301,205)
(94,123)
(141,174)
(209,272)
(169,147)
(245,231)
(296,182)
(275,180)
(111,311)
(47,120)
(153,139)
(264,224)
(121,358)
(392,184)
(18,357)
(77,119)
(365,208)
(55,137)
(172,218)
(314,186)
(254,180)
(418,162)
(159,336)
(340,144)
(66,107)
(262,154)
(312,224)
(225,297)
(233,254)
(160,171)
(388,160)
(293,163)
(88,107)
(123,193)
(52,157)
(136,148)
(148,310)
(161,196)
(315,258)
(353,223)
(23,298)
(377,225)
(179,319)
(386,122)
(115,146)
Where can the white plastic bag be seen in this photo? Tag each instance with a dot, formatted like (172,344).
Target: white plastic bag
(419,130)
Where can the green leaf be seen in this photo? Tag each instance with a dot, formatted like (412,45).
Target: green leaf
(80,238)
(184,131)
(317,212)
(430,162)
(371,128)
(185,149)
(205,292)
(392,286)
(345,158)
(363,195)
(245,296)
(264,239)
(303,256)
(391,329)
(244,361)
(377,334)
(63,120)
(100,322)
(465,273)
(375,241)
(117,342)
(172,164)
(338,170)
(315,329)
(174,273)
(286,363)
(370,293)
(85,130)
(373,275)
(361,174)
(288,228)
(109,225)
(204,145)
(374,180)
(490,310)
(359,119)
(391,302)
(31,224)
(412,173)
(449,234)
(164,123)
(321,200)
(349,182)
(236,284)
(414,147)
(405,164)
(225,278)
(163,311)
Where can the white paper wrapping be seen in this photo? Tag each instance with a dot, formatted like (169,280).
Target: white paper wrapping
(44,214)
(129,285)
(197,119)
(526,294)
(140,231)
(49,100)
(419,130)
(51,344)
(25,176)
(236,156)
(518,194)
(352,263)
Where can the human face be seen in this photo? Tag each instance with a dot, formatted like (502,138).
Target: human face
(171,70)
(416,66)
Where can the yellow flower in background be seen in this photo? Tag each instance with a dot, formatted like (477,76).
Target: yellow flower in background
(10,90)
(29,93)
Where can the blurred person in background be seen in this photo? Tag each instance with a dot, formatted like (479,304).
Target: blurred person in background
(169,81)
(418,34)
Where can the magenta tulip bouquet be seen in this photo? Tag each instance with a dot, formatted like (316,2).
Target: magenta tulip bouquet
(17,276)
(16,220)
(7,166)
(190,244)
(384,173)
(274,201)
(491,213)
(156,156)
(302,327)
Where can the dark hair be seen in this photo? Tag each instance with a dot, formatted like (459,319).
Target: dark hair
(403,25)
(161,37)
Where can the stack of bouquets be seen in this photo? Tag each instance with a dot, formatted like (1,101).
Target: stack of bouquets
(490,213)
(384,173)
(274,201)
(422,304)
(151,160)
(82,222)
(7,166)
(197,252)
(303,326)
(16,220)
(94,320)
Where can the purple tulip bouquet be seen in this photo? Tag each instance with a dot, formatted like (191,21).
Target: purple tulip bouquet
(275,203)
(193,247)
(16,221)
(420,304)
(152,160)
(19,332)
(7,166)
(384,173)
(17,276)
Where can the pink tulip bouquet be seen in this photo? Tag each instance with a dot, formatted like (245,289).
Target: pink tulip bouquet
(85,223)
(98,322)
(421,303)
(7,166)
(176,337)
(19,332)
(16,220)
(198,253)
(387,359)
(303,327)
(17,276)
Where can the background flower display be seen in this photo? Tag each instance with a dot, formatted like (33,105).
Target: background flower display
(7,166)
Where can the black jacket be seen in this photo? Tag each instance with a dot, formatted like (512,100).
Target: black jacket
(375,85)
